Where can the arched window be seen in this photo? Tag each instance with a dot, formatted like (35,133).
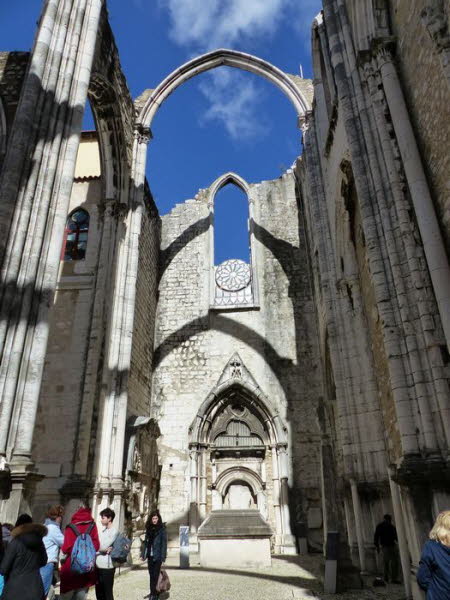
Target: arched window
(231,235)
(76,235)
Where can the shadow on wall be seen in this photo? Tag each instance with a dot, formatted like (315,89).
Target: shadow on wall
(293,376)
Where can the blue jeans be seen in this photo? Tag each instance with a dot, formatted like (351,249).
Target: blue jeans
(47,576)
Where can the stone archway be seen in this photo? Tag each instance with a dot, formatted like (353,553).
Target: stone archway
(239,475)
(212,60)
(238,436)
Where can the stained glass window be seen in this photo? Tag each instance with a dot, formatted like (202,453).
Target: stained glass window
(76,235)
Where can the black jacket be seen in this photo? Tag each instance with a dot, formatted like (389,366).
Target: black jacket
(385,535)
(24,556)
(159,545)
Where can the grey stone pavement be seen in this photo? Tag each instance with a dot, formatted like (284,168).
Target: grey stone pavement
(288,578)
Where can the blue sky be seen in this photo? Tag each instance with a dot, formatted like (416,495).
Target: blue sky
(225,120)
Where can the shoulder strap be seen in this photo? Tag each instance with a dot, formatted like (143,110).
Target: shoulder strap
(74,528)
(90,528)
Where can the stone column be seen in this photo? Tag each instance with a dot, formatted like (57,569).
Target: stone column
(358,524)
(276,499)
(401,534)
(288,538)
(193,506)
(35,190)
(202,485)
(427,222)
(114,399)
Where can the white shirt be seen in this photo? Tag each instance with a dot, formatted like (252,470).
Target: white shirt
(107,538)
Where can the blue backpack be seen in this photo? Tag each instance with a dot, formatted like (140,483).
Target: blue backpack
(83,551)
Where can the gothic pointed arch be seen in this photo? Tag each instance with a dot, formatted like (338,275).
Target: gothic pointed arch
(235,382)
(212,60)
(224,180)
(233,283)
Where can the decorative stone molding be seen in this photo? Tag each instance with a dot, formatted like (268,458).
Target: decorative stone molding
(211,60)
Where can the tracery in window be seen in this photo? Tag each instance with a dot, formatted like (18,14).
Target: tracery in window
(76,235)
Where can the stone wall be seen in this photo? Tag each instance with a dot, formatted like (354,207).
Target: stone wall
(422,34)
(277,341)
(58,438)
(139,386)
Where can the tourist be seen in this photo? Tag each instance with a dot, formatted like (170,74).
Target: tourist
(52,542)
(105,567)
(23,558)
(433,574)
(386,537)
(155,549)
(75,586)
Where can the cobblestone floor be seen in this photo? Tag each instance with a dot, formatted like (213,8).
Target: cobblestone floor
(288,578)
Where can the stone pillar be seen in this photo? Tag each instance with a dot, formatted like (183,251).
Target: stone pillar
(193,507)
(109,485)
(401,534)
(358,525)
(202,485)
(425,213)
(276,500)
(35,190)
(288,539)
(351,531)
(346,575)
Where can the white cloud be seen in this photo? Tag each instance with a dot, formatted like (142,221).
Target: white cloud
(232,99)
(211,24)
(203,25)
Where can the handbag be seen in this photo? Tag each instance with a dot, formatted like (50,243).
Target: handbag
(163,584)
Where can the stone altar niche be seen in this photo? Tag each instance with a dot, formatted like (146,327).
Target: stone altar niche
(238,452)
(235,538)
(142,477)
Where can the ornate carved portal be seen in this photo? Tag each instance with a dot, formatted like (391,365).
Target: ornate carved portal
(142,475)
(238,456)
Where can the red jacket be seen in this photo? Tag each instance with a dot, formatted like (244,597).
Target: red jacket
(70,580)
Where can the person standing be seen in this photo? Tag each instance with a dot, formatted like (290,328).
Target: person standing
(155,549)
(52,542)
(386,537)
(24,556)
(105,567)
(433,574)
(75,586)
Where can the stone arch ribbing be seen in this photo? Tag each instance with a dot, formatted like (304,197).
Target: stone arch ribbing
(241,473)
(202,422)
(224,180)
(212,60)
(3,130)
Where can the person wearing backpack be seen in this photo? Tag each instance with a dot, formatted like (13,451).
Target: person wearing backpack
(155,549)
(24,556)
(105,566)
(79,549)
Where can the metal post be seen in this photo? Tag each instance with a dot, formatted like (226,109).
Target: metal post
(184,547)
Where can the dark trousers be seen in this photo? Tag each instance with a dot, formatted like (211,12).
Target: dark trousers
(390,563)
(104,585)
(154,567)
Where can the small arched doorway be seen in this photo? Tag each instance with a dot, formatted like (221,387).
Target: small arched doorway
(238,456)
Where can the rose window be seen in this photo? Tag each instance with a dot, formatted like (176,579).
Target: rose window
(233,275)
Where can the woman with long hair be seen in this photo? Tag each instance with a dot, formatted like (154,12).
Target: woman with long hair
(433,574)
(155,549)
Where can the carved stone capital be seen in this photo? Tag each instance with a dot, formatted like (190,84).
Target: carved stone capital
(304,121)
(143,135)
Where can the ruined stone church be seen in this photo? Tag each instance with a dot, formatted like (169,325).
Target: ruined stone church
(310,383)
